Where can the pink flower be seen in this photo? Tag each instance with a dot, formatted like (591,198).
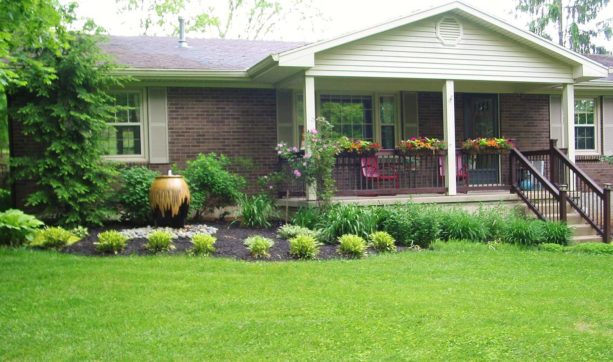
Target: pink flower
(313,131)
(297,173)
(270,187)
(295,149)
(307,155)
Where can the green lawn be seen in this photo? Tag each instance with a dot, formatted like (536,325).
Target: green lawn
(458,302)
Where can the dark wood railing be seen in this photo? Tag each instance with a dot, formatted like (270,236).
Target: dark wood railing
(530,184)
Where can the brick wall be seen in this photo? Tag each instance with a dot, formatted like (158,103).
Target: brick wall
(601,172)
(234,122)
(525,118)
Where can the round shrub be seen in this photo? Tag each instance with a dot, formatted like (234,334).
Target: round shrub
(352,246)
(303,247)
(555,233)
(289,231)
(259,246)
(111,242)
(551,247)
(382,242)
(159,241)
(54,238)
(134,194)
(204,244)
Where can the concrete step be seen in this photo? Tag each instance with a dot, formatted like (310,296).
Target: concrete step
(571,218)
(587,239)
(582,229)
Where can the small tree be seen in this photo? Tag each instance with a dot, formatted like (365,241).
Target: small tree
(64,117)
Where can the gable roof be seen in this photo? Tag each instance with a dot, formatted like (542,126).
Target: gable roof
(583,67)
(147,52)
(606,60)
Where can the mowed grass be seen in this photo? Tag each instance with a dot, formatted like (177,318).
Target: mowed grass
(460,301)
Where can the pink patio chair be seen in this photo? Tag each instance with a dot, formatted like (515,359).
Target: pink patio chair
(462,173)
(372,171)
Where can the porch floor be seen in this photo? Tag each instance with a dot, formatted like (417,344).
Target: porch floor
(472,198)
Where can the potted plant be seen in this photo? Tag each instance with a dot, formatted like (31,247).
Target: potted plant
(487,145)
(359,148)
(421,146)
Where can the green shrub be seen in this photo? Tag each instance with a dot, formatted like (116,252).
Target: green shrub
(133,196)
(289,231)
(308,217)
(111,241)
(555,233)
(17,228)
(460,225)
(259,246)
(341,219)
(493,219)
(257,211)
(551,247)
(592,248)
(352,246)
(303,247)
(522,232)
(413,224)
(211,183)
(382,242)
(159,241)
(54,238)
(5,199)
(204,244)
(80,231)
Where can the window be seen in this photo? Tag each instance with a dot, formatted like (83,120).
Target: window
(124,135)
(387,114)
(351,116)
(585,124)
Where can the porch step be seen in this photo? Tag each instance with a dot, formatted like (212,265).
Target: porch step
(587,239)
(582,230)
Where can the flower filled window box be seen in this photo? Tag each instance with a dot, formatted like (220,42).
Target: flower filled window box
(421,146)
(487,145)
(360,148)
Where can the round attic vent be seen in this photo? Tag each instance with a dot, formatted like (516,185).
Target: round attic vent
(449,31)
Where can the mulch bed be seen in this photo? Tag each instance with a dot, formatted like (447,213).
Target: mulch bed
(229,244)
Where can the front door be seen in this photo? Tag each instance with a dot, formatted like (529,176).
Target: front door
(481,120)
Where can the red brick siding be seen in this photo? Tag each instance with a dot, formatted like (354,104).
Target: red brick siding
(599,171)
(525,118)
(233,122)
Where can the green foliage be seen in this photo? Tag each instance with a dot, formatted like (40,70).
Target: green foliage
(289,231)
(576,22)
(273,183)
(522,232)
(111,241)
(592,248)
(204,244)
(80,231)
(54,238)
(493,220)
(308,217)
(5,200)
(257,211)
(352,246)
(259,246)
(555,233)
(413,224)
(159,241)
(382,242)
(551,247)
(460,225)
(17,228)
(65,116)
(340,219)
(211,183)
(133,195)
(303,246)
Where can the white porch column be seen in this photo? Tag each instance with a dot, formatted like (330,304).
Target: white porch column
(449,133)
(568,118)
(309,122)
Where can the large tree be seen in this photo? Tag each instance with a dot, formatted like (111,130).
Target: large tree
(247,19)
(575,23)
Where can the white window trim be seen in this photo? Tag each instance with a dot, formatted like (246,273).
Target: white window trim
(376,110)
(597,129)
(144,131)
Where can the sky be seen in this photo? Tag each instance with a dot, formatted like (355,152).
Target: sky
(338,16)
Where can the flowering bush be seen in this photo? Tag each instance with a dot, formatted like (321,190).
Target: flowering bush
(487,144)
(422,143)
(316,163)
(358,147)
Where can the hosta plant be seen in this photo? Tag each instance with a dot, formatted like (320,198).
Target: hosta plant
(159,241)
(111,242)
(259,246)
(303,247)
(204,244)
(17,227)
(54,238)
(382,242)
(352,246)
